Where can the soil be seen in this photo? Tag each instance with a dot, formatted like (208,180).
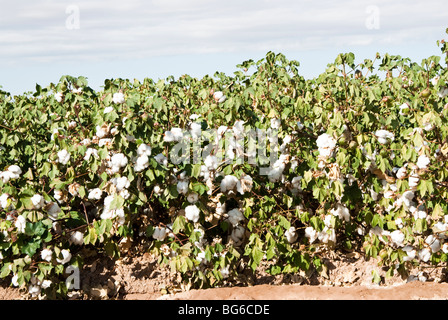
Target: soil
(348,277)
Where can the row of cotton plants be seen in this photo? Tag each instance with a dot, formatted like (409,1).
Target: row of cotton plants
(227,174)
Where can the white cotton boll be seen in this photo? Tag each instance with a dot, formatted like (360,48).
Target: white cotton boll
(311,234)
(211,162)
(4,203)
(90,152)
(119,213)
(433,243)
(445,248)
(100,132)
(201,257)
(219,96)
(291,235)
(5,176)
(399,223)
(276,123)
(341,211)
(157,190)
(413,181)
(119,160)
(195,116)
(192,213)
(121,183)
(300,126)
(46,284)
(161,159)
(118,97)
(66,257)
(221,130)
(141,163)
(196,130)
(54,210)
(77,238)
(235,217)
(105,142)
(46,254)
(95,194)
(407,197)
(326,145)
(238,128)
(159,233)
(410,253)
(397,238)
(384,136)
(192,197)
(175,134)
(58,96)
(14,171)
(144,149)
(424,254)
(389,194)
(108,110)
(401,173)
(38,201)
(228,183)
(125,194)
(182,187)
(34,290)
(63,157)
(423,161)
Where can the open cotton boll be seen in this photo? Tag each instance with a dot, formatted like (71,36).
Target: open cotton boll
(211,162)
(397,238)
(410,253)
(424,254)
(141,163)
(53,210)
(413,181)
(443,92)
(20,224)
(237,235)
(276,123)
(291,235)
(228,183)
(66,257)
(77,238)
(118,98)
(384,136)
(14,171)
(192,213)
(58,96)
(119,160)
(46,254)
(161,159)
(341,211)
(95,194)
(38,201)
(402,172)
(121,183)
(235,217)
(182,187)
(175,134)
(433,243)
(63,156)
(195,130)
(326,145)
(144,149)
(192,197)
(404,109)
(159,233)
(219,96)
(423,161)
(90,152)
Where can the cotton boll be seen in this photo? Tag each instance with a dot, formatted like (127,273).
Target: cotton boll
(63,157)
(423,161)
(237,235)
(291,235)
(401,173)
(89,153)
(38,201)
(58,96)
(144,149)
(53,210)
(413,181)
(77,238)
(95,194)
(235,217)
(410,253)
(161,159)
(384,136)
(108,110)
(182,187)
(192,197)
(141,163)
(192,213)
(342,212)
(397,238)
(219,97)
(196,130)
(119,160)
(211,162)
(118,98)
(159,233)
(424,254)
(66,257)
(14,171)
(228,183)
(276,123)
(46,254)
(433,243)
(121,183)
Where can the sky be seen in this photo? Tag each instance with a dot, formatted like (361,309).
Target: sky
(41,40)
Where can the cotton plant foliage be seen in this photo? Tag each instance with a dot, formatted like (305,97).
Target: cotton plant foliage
(221,174)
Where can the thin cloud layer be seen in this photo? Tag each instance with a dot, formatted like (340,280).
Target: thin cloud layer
(53,31)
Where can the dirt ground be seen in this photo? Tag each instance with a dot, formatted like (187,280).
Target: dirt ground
(347,278)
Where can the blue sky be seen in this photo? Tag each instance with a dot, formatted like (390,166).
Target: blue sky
(41,40)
